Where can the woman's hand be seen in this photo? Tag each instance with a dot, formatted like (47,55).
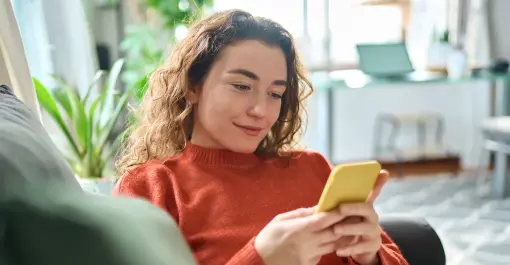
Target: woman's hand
(366,231)
(362,228)
(299,237)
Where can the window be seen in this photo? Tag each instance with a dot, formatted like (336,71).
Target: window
(351,22)
(289,13)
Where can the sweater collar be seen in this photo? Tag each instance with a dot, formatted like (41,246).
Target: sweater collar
(219,157)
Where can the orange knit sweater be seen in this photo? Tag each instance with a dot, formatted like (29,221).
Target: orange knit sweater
(221,199)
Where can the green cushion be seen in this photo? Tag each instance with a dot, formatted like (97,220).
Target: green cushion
(45,217)
(27,151)
(50,226)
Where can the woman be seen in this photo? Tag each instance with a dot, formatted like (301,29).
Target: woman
(213,148)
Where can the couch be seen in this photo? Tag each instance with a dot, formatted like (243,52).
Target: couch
(46,218)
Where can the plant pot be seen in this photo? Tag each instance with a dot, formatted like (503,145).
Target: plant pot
(437,57)
(102,186)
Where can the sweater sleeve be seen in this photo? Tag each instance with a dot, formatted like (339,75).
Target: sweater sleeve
(389,253)
(152,182)
(248,255)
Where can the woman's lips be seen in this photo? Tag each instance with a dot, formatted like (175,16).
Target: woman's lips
(250,130)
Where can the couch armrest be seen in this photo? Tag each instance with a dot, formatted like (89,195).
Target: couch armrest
(417,240)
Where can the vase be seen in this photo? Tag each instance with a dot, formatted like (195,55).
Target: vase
(457,64)
(102,186)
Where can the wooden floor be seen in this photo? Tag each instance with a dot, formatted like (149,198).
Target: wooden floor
(422,166)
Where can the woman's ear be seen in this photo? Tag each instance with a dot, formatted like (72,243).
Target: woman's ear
(192,95)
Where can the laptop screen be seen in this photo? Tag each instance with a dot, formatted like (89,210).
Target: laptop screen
(386,59)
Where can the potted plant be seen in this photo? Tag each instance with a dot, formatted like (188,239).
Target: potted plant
(438,51)
(88,122)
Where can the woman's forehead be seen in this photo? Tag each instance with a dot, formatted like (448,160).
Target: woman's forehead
(253,56)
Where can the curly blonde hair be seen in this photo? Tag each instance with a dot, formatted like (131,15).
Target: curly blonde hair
(164,122)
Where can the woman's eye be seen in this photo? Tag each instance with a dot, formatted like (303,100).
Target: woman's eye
(241,87)
(276,96)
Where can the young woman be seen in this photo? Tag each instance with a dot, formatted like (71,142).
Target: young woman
(213,148)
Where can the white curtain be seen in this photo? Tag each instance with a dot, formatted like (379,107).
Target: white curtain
(73,48)
(13,60)
(477,39)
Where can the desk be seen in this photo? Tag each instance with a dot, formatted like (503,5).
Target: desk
(328,83)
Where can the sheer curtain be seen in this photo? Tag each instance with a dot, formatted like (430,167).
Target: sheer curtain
(73,47)
(32,24)
(477,39)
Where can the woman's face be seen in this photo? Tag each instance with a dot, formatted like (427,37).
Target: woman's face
(240,99)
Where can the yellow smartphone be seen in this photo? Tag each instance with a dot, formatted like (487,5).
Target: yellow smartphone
(349,183)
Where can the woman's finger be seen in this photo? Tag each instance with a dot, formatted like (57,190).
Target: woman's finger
(320,221)
(379,184)
(345,241)
(364,210)
(325,236)
(298,213)
(360,229)
(362,247)
(325,249)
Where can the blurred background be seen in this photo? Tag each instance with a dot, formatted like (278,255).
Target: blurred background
(420,85)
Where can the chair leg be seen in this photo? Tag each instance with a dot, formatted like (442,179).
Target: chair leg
(481,174)
(392,144)
(377,132)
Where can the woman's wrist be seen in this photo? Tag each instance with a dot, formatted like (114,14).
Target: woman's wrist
(374,261)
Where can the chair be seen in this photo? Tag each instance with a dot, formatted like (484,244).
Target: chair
(496,138)
(396,122)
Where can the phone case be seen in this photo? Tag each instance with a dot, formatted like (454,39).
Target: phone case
(349,183)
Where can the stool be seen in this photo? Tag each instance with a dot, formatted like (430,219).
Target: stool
(396,122)
(496,134)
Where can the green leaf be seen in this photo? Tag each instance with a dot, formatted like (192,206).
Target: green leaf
(47,102)
(79,117)
(64,86)
(141,87)
(63,99)
(97,77)
(114,147)
(81,124)
(92,119)
(107,96)
(114,118)
(91,156)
